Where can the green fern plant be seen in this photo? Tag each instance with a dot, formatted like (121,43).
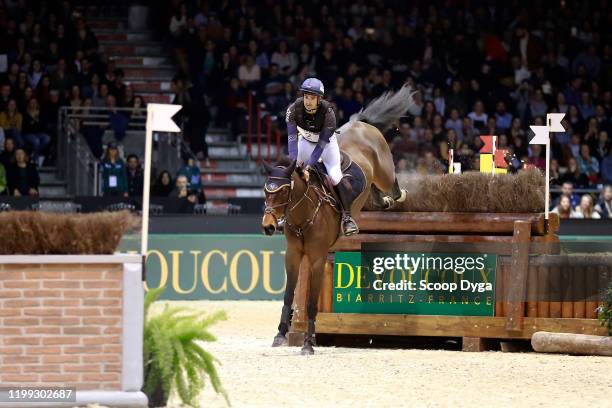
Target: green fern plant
(173,359)
(604,312)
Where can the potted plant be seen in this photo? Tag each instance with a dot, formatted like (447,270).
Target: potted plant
(174,361)
(604,312)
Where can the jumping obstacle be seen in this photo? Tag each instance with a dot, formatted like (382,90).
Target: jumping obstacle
(524,268)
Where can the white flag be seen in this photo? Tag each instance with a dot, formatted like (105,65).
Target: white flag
(161,117)
(541,135)
(553,124)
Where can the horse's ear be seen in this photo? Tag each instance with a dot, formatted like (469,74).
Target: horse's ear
(291,167)
(267,167)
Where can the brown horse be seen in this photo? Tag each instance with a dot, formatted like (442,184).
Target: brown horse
(312,221)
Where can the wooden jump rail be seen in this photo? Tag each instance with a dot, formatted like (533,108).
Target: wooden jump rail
(519,276)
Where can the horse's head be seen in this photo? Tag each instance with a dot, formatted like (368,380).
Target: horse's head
(277,190)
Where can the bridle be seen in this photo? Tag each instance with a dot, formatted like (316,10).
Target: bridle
(269,209)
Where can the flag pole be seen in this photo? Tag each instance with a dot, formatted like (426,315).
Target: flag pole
(547,190)
(159,119)
(144,239)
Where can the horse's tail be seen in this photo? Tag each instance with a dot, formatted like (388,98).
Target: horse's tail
(386,109)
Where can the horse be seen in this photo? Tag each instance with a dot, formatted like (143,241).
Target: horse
(311,219)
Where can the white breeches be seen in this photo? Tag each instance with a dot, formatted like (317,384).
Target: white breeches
(330,156)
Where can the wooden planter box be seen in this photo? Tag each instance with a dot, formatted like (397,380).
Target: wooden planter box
(73,321)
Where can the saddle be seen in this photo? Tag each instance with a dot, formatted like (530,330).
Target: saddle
(348,168)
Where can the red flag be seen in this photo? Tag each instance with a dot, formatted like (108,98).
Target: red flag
(499,159)
(488,144)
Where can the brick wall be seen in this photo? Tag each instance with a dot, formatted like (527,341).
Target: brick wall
(61,324)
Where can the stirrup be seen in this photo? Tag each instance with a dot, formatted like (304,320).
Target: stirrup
(353,228)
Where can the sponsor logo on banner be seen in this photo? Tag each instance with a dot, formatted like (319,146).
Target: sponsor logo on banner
(461,284)
(216,267)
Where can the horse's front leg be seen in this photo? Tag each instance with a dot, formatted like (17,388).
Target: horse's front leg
(293,258)
(316,278)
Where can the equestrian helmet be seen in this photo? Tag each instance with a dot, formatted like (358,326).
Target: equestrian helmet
(313,86)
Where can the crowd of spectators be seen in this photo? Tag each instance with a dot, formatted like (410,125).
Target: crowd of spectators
(480,68)
(49,58)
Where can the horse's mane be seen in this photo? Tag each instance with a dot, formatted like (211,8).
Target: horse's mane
(386,109)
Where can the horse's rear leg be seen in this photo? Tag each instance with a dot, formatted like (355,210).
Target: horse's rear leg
(316,278)
(378,198)
(292,266)
(398,194)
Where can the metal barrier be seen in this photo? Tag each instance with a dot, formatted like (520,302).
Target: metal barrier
(272,135)
(81,169)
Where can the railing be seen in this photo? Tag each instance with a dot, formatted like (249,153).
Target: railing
(78,166)
(257,114)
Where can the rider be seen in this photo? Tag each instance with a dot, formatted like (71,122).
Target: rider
(311,123)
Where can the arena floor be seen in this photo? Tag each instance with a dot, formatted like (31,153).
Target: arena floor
(256,375)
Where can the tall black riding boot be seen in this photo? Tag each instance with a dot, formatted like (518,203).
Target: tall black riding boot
(345,192)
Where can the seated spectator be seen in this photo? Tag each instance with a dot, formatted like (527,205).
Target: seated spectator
(34,129)
(604,206)
(22,176)
(286,61)
(455,123)
(588,165)
(135,177)
(567,189)
(564,208)
(75,97)
(535,157)
(12,121)
(8,154)
(192,172)
(586,209)
(114,176)
(574,176)
(537,104)
(248,72)
(502,117)
(188,196)
(163,185)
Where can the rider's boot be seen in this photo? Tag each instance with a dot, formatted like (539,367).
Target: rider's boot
(345,191)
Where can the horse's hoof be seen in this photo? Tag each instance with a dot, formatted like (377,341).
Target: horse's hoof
(402,197)
(307,350)
(388,202)
(279,340)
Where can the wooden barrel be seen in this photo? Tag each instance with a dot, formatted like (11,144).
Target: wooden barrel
(532,291)
(555,284)
(567,304)
(592,281)
(543,289)
(578,283)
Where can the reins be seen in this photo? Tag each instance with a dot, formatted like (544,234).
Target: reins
(321,197)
